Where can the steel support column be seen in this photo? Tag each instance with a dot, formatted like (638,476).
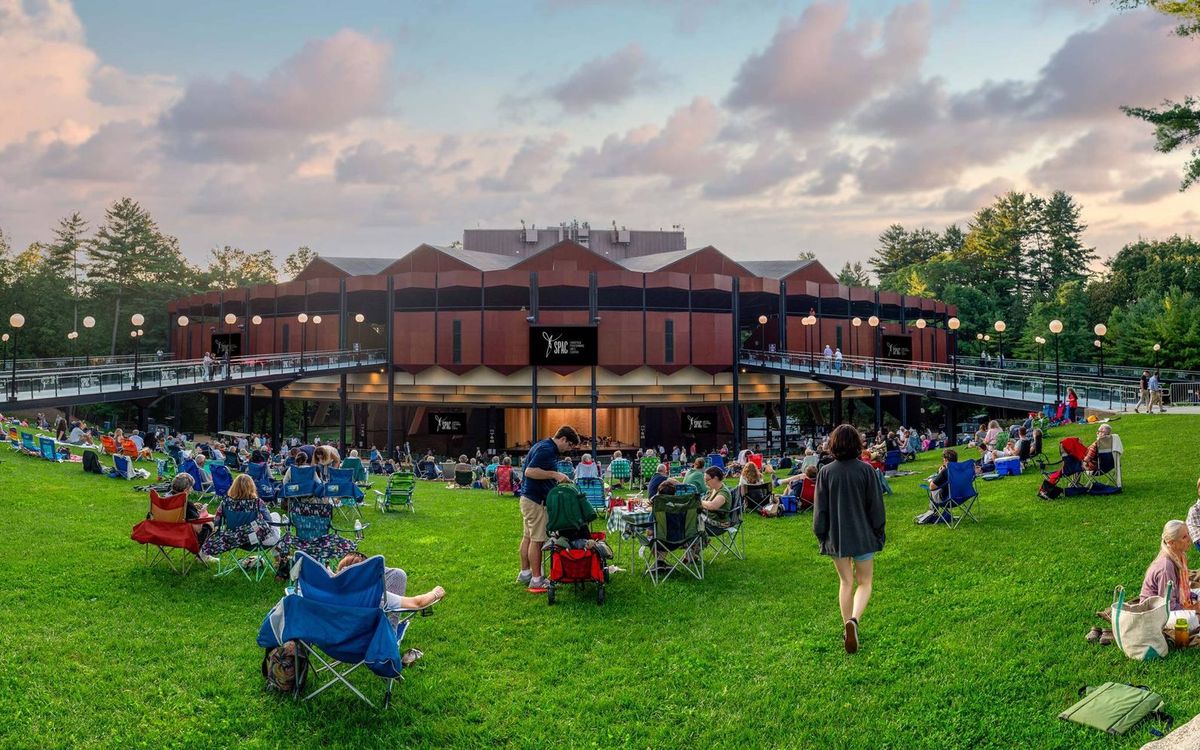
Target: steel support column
(737,358)
(248,409)
(391,364)
(342,406)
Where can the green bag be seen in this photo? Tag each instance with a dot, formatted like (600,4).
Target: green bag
(1116,708)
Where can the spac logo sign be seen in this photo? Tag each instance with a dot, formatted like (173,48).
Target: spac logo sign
(698,422)
(562,346)
(897,347)
(447,423)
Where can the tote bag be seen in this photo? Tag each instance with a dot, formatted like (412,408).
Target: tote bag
(1138,628)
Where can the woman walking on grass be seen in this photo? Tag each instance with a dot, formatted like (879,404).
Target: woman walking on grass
(848,519)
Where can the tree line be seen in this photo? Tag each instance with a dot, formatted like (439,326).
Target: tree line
(1022,260)
(127,266)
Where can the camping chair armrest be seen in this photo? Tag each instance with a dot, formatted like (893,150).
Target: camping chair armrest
(407,614)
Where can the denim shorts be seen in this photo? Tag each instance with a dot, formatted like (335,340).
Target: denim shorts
(864,558)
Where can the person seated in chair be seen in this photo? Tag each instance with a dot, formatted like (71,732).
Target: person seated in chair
(939,483)
(1092,460)
(395,582)
(695,477)
(911,446)
(462,469)
(587,468)
(1170,566)
(300,459)
(183,484)
(717,499)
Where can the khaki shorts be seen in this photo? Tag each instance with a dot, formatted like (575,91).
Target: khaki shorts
(533,518)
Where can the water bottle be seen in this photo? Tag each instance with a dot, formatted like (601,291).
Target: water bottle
(358,529)
(1181,632)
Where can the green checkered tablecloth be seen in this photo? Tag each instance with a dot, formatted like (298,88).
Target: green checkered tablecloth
(620,518)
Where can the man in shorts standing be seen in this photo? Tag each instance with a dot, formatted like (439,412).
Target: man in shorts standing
(541,474)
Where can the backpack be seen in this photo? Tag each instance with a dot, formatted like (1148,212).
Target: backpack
(91,464)
(279,668)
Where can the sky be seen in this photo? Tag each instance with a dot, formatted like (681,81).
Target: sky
(764,127)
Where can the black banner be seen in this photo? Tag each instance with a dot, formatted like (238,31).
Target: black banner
(897,347)
(562,346)
(698,422)
(447,423)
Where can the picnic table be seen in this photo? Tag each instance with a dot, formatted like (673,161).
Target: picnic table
(626,524)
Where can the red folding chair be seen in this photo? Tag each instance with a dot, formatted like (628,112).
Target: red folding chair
(167,530)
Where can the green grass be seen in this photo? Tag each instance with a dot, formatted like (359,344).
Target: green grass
(974,637)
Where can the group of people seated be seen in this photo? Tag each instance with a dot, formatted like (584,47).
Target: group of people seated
(1170,568)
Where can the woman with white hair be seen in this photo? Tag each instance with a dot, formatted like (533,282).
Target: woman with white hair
(587,468)
(1171,567)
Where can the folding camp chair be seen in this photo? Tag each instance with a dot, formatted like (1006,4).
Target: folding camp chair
(1072,453)
(892,460)
(122,467)
(236,543)
(1108,462)
(715,459)
(649,467)
(593,489)
(302,483)
(108,445)
(129,448)
(566,467)
(201,484)
(398,491)
(620,470)
(267,487)
(355,464)
(167,469)
(464,478)
(49,450)
(340,623)
(675,540)
(312,531)
(341,490)
(29,444)
(723,526)
(166,530)
(222,480)
(755,496)
(505,484)
(960,494)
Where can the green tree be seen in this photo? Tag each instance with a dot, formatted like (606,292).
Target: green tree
(295,263)
(131,258)
(1171,320)
(1176,124)
(232,267)
(900,248)
(63,256)
(1069,304)
(854,275)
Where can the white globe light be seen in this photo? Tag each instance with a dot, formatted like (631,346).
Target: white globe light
(137,319)
(1157,347)
(872,321)
(317,320)
(1039,340)
(133,334)
(953,323)
(1056,326)
(1000,326)
(140,332)
(987,337)
(1100,329)
(921,323)
(856,321)
(183,321)
(256,320)
(1096,343)
(90,322)
(16,320)
(302,317)
(979,337)
(230,318)
(360,318)
(4,337)
(72,335)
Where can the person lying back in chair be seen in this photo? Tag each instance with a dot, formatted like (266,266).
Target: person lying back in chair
(939,483)
(396,581)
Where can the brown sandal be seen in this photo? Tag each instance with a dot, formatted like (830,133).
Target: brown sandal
(1093,635)
(1106,637)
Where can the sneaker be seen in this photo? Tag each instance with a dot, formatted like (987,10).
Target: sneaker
(207,559)
(525,577)
(538,584)
(851,636)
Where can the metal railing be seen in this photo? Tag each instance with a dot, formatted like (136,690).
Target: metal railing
(1046,367)
(1038,388)
(153,375)
(83,360)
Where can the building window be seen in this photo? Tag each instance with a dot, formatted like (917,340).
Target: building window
(456,347)
(285,338)
(669,342)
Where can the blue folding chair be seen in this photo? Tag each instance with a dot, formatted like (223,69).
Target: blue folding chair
(302,482)
(959,494)
(340,622)
(48,449)
(892,460)
(222,480)
(236,542)
(201,484)
(717,460)
(263,482)
(29,445)
(341,490)
(122,467)
(593,490)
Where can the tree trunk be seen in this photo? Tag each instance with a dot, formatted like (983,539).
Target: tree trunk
(116,321)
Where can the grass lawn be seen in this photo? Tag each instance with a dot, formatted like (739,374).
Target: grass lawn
(974,637)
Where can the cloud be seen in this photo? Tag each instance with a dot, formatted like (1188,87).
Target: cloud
(682,149)
(972,199)
(373,163)
(1149,191)
(534,159)
(326,85)
(818,69)
(606,81)
(770,164)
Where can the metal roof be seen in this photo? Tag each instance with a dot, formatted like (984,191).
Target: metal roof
(650,263)
(357,266)
(775,269)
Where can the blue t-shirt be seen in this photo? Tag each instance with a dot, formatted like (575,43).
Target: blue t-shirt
(655,481)
(543,455)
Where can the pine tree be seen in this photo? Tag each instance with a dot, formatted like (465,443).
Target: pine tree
(854,275)
(63,256)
